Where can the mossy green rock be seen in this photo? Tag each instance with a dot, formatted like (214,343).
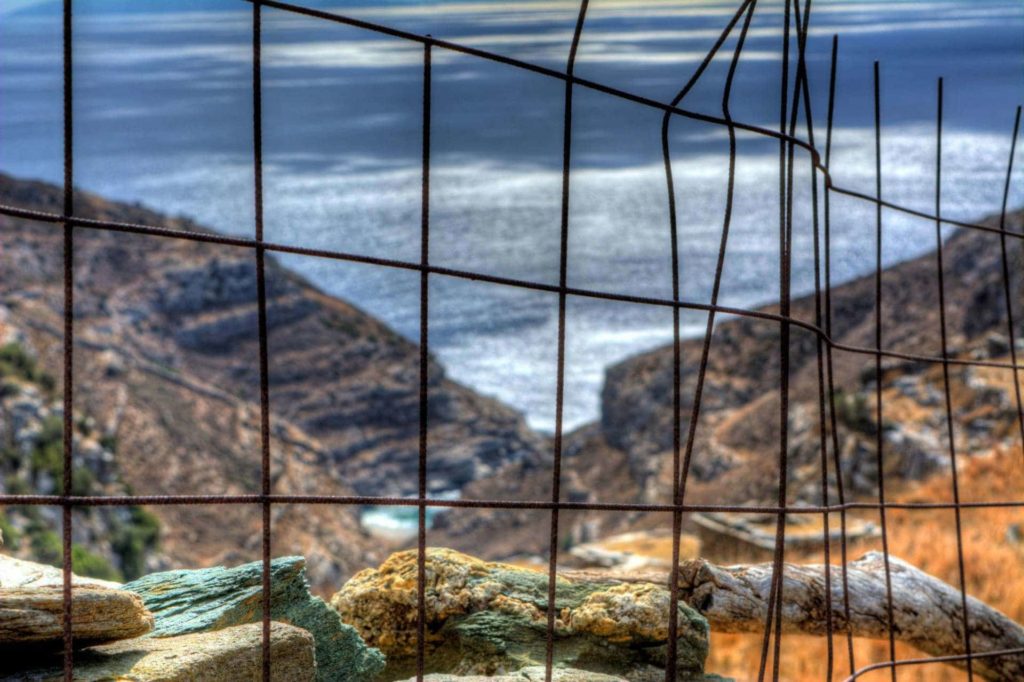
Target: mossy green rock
(488,619)
(214,598)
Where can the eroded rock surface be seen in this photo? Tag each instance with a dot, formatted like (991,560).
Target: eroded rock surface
(488,618)
(34,616)
(207,599)
(534,673)
(230,655)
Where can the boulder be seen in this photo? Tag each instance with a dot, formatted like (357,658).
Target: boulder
(533,673)
(190,601)
(233,654)
(34,616)
(488,619)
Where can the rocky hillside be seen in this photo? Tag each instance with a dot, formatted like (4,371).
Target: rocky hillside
(736,450)
(627,455)
(107,542)
(167,370)
(166,365)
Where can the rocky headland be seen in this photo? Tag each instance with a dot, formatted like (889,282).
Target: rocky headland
(167,373)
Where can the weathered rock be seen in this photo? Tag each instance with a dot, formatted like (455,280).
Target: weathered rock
(19,573)
(488,618)
(35,615)
(213,598)
(231,655)
(533,673)
(926,612)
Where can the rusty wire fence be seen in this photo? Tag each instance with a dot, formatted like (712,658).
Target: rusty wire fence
(794,109)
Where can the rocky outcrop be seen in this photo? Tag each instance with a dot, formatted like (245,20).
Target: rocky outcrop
(230,655)
(34,616)
(533,673)
(487,618)
(741,388)
(537,673)
(186,602)
(204,625)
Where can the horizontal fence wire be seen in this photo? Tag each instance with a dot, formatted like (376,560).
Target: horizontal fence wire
(241,242)
(363,500)
(796,24)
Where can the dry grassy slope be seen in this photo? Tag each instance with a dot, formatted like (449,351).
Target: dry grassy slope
(166,357)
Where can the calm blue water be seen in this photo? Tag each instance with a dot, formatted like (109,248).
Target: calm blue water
(163,116)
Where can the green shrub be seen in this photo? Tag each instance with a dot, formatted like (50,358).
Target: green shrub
(47,546)
(12,538)
(82,481)
(134,540)
(84,562)
(10,458)
(48,452)
(108,441)
(16,485)
(47,383)
(15,361)
(853,411)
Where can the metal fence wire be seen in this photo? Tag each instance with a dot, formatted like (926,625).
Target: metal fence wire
(794,106)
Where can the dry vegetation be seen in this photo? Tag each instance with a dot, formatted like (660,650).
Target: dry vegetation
(993,555)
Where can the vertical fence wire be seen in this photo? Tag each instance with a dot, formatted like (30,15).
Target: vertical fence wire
(261,304)
(775,592)
(69,338)
(829,364)
(803,29)
(940,266)
(424,369)
(563,268)
(879,435)
(1010,327)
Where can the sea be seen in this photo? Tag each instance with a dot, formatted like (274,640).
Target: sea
(163,115)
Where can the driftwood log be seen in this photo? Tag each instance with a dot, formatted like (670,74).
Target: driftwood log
(927,613)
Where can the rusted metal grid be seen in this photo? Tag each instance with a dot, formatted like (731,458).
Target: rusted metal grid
(794,103)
